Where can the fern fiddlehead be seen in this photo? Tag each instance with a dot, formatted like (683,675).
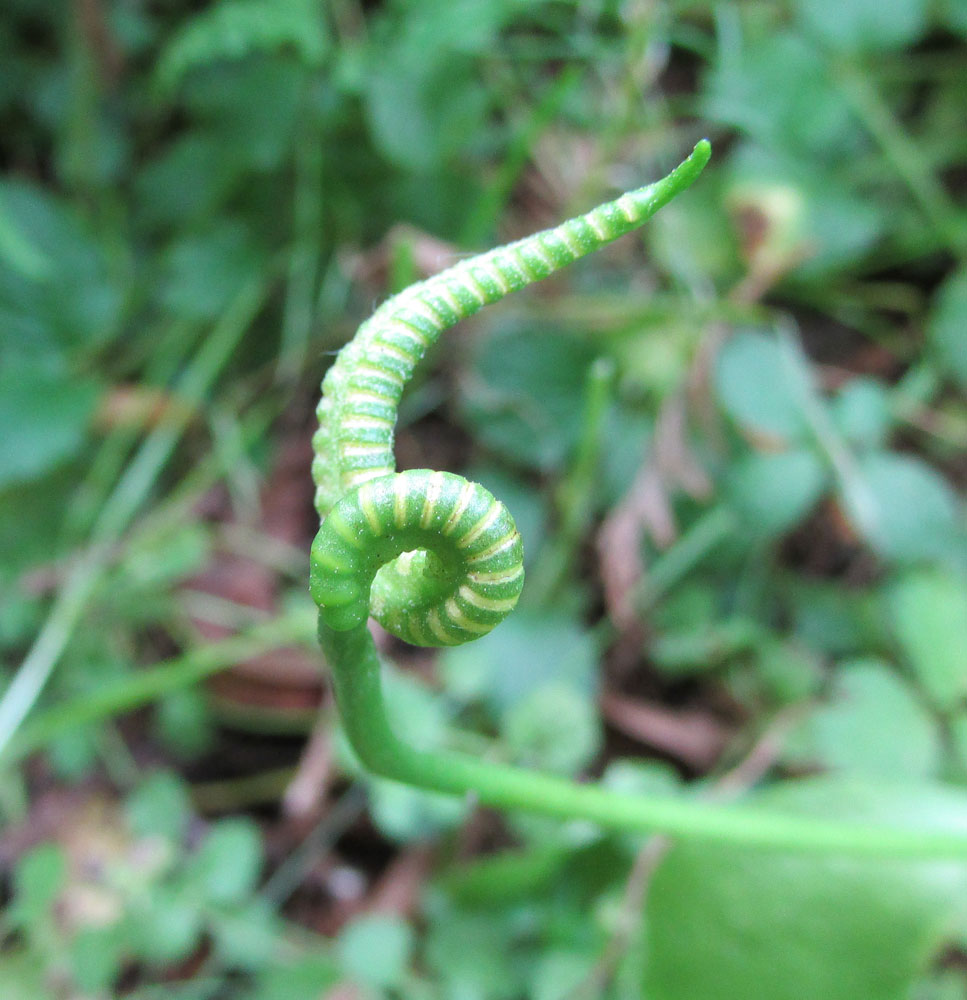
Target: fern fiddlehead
(437,560)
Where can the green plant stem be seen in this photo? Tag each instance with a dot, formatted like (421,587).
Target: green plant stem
(705,535)
(356,679)
(130,693)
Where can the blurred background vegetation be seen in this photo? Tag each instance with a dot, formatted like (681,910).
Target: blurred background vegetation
(734,444)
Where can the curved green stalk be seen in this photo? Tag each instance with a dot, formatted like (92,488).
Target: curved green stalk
(438,561)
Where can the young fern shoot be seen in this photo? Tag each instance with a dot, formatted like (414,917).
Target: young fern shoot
(438,561)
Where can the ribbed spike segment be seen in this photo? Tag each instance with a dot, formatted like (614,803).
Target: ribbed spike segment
(357,418)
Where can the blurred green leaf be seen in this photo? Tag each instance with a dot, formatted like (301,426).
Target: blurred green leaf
(834,620)
(44,418)
(872,725)
(861,411)
(159,806)
(423,98)
(69,301)
(777,88)
(375,950)
(764,387)
(252,107)
(905,510)
(305,978)
(704,646)
(165,927)
(23,977)
(184,722)
(420,114)
(406,814)
(529,651)
(38,879)
(473,952)
(745,922)
(774,491)
(205,271)
(225,869)
(96,957)
(232,29)
(558,971)
(521,398)
(247,936)
(789,671)
(928,611)
(505,877)
(555,729)
(185,181)
(864,25)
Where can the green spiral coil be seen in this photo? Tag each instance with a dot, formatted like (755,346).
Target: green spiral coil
(435,559)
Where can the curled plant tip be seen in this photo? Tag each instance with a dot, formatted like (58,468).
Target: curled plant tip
(438,560)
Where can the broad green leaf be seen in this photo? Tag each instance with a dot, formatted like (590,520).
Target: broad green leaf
(305,978)
(187,180)
(205,271)
(375,950)
(555,729)
(558,971)
(44,418)
(69,300)
(159,807)
(777,88)
(764,385)
(522,398)
(789,671)
(226,867)
(704,646)
(165,926)
(773,491)
(947,327)
(23,976)
(529,651)
(734,923)
(904,509)
(96,957)
(38,879)
(233,29)
(872,725)
(251,108)
(861,411)
(468,950)
(864,25)
(928,609)
(405,814)
(246,936)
